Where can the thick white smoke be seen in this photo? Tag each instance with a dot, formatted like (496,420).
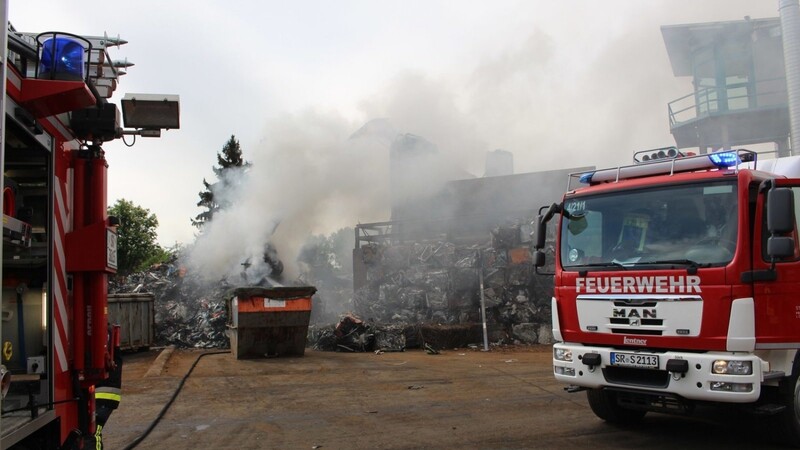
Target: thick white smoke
(306,177)
(310,175)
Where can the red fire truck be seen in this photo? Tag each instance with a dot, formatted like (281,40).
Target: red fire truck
(59,245)
(676,283)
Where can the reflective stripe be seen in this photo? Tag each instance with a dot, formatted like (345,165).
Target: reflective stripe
(98,438)
(109,389)
(107,396)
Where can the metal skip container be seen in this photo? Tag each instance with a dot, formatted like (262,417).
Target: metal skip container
(269,321)
(134,313)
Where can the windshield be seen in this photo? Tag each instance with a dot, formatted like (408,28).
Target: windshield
(685,224)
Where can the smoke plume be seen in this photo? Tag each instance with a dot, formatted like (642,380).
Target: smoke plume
(315,172)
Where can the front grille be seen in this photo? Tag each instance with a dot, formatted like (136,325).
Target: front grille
(654,322)
(635,331)
(624,303)
(641,315)
(636,377)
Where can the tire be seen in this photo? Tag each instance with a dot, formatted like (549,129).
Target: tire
(790,417)
(604,405)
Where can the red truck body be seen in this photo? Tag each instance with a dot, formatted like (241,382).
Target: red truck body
(674,286)
(59,245)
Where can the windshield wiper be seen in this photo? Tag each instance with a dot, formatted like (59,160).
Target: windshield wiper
(692,265)
(583,267)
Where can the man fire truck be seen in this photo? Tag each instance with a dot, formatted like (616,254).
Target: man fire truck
(677,282)
(58,244)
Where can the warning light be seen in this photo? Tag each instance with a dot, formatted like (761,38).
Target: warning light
(657,154)
(724,159)
(586,178)
(62,59)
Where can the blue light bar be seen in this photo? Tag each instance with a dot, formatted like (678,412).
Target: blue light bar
(586,178)
(724,159)
(62,59)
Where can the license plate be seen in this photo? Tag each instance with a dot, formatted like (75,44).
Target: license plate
(639,360)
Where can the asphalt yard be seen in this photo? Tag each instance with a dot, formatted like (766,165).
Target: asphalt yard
(461,398)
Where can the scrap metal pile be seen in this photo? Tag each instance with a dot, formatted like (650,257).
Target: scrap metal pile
(439,283)
(415,295)
(352,334)
(188,311)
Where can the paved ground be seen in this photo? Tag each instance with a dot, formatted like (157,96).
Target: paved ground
(458,399)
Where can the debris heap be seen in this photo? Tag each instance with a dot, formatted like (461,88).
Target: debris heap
(188,311)
(410,295)
(439,282)
(352,334)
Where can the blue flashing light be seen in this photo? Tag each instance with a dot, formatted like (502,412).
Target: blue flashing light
(62,59)
(586,178)
(724,159)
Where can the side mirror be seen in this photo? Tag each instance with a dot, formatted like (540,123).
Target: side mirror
(541,235)
(780,247)
(780,220)
(541,223)
(541,232)
(538,258)
(780,211)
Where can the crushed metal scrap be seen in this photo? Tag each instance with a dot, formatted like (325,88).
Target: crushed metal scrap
(191,312)
(352,334)
(439,282)
(411,295)
(188,312)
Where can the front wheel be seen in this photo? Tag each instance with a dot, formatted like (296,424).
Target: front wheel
(790,417)
(604,405)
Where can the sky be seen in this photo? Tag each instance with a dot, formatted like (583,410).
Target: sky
(557,83)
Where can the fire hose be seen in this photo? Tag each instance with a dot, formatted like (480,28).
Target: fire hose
(166,407)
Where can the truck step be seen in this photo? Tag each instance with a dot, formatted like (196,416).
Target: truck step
(769,409)
(572,388)
(774,374)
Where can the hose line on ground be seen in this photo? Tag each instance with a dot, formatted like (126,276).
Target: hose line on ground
(164,410)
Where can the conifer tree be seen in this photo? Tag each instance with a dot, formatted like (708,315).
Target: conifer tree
(230,158)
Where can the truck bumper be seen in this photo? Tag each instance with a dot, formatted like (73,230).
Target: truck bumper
(692,380)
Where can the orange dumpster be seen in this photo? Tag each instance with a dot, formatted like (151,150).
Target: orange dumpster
(266,322)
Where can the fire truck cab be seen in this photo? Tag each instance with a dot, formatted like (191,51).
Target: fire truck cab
(59,245)
(676,283)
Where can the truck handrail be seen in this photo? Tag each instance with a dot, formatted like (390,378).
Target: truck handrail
(667,166)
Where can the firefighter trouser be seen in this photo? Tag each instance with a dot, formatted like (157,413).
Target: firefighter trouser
(96,441)
(106,401)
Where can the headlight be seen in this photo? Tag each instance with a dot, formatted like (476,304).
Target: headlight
(562,354)
(722,366)
(731,387)
(568,371)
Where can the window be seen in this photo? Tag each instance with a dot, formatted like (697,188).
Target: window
(694,223)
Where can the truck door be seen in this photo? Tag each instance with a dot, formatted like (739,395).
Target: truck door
(776,291)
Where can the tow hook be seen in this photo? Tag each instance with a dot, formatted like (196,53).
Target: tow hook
(677,368)
(592,360)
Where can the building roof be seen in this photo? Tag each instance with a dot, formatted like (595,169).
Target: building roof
(683,40)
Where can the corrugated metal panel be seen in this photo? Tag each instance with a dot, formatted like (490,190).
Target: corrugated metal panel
(135,315)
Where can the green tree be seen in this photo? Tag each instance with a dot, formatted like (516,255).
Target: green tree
(230,158)
(136,237)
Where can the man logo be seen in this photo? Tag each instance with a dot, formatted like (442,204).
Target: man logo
(634,313)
